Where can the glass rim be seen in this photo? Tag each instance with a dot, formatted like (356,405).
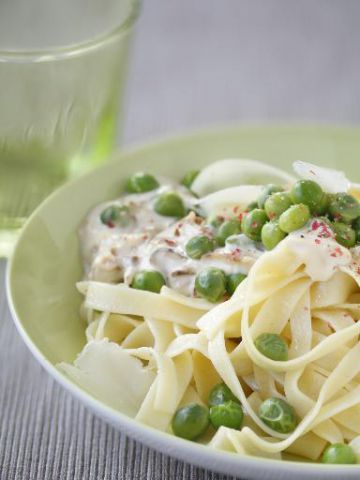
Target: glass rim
(73,49)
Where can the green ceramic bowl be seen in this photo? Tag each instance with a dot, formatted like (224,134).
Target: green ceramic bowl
(46,264)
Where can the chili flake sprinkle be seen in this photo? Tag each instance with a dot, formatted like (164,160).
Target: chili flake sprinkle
(336,252)
(169,242)
(324,229)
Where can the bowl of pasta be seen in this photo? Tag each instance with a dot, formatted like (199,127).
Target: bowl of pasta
(202,294)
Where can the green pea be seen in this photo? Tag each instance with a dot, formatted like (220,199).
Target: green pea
(169,204)
(150,280)
(220,394)
(278,415)
(272,346)
(189,178)
(356,223)
(226,229)
(190,421)
(323,206)
(276,204)
(210,284)
(271,235)
(356,227)
(344,234)
(141,182)
(251,206)
(115,216)
(233,281)
(266,192)
(229,414)
(294,218)
(344,208)
(253,222)
(197,246)
(339,453)
(307,193)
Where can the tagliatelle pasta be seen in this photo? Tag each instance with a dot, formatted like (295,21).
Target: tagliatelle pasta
(121,299)
(161,351)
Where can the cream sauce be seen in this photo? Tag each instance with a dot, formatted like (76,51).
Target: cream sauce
(155,242)
(316,247)
(166,252)
(103,247)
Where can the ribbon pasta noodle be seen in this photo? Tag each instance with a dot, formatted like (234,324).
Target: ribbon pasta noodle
(179,347)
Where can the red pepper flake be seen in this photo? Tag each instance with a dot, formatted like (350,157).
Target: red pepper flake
(235,254)
(358,270)
(315,225)
(110,224)
(317,241)
(169,242)
(242,215)
(324,231)
(177,232)
(336,252)
(254,225)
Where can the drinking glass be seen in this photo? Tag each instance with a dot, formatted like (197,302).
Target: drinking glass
(63,65)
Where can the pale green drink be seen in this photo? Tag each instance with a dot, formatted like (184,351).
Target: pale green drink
(60,107)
